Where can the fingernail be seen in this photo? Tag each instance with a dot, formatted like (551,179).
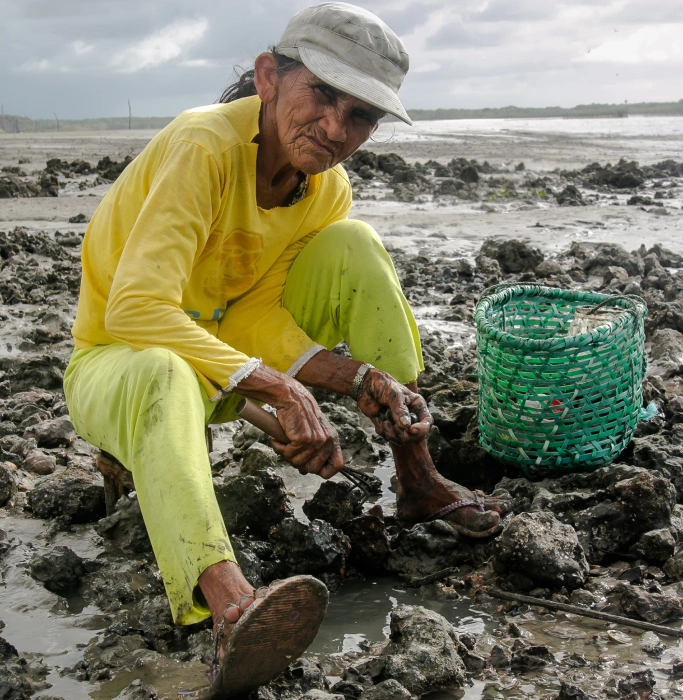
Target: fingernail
(405,420)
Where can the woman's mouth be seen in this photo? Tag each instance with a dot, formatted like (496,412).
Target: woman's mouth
(320,146)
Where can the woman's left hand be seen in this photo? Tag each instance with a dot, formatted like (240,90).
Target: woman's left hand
(381,391)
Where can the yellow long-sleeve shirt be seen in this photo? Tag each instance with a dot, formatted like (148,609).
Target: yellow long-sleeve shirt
(179,238)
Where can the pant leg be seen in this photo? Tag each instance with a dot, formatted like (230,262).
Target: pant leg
(148,409)
(343,285)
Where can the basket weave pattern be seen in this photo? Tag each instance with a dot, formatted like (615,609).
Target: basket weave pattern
(553,402)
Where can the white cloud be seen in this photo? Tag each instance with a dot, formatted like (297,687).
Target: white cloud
(36,66)
(426,67)
(197,63)
(161,47)
(80,48)
(657,43)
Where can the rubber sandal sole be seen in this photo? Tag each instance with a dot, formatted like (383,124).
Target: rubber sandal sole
(268,637)
(476,534)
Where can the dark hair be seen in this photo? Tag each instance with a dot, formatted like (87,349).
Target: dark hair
(245,87)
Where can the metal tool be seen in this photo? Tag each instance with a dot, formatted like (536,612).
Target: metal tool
(270,425)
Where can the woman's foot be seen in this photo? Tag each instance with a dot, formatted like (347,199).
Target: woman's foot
(423,494)
(258,632)
(228,595)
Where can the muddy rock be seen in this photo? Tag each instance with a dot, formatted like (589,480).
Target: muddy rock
(248,561)
(73,492)
(667,352)
(39,462)
(572,692)
(14,683)
(321,695)
(336,502)
(110,651)
(306,549)
(512,255)
(570,197)
(386,690)
(126,526)
(300,678)
(110,169)
(604,255)
(59,569)
(532,657)
(624,175)
(257,457)
(256,501)
(370,547)
(647,499)
(7,484)
(488,266)
(610,508)
(663,454)
(666,257)
(642,683)
(427,548)
(137,690)
(422,653)
(500,656)
(548,269)
(674,567)
(539,545)
(655,546)
(58,432)
(636,602)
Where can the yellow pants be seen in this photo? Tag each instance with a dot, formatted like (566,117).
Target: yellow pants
(148,409)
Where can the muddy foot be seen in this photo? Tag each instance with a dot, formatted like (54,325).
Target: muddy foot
(423,503)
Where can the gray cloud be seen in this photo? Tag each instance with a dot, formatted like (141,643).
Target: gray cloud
(85,58)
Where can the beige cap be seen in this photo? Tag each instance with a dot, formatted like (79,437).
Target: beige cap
(350,49)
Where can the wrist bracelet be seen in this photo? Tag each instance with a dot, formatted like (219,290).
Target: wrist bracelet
(357,383)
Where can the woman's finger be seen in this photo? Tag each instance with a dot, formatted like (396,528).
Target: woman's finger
(334,464)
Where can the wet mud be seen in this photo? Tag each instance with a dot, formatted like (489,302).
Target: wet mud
(83,609)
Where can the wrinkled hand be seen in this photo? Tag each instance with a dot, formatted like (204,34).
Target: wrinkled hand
(380,390)
(313,442)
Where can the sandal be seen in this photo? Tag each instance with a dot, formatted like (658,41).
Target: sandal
(266,638)
(461,529)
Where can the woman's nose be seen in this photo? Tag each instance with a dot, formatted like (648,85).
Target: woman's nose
(334,125)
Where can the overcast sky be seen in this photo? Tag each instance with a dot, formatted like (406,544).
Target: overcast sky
(85,58)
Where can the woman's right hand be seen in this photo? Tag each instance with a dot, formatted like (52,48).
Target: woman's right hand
(313,446)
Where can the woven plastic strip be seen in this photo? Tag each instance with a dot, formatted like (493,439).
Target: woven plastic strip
(550,401)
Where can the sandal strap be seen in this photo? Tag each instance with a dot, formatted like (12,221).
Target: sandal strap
(456,505)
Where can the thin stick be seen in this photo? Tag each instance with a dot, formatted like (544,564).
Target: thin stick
(584,612)
(432,578)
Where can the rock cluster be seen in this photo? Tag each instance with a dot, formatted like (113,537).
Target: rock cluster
(14,182)
(611,539)
(389,176)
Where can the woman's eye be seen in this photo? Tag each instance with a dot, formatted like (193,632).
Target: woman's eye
(365,117)
(325,91)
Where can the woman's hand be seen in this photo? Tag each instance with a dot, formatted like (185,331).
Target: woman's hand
(313,442)
(380,391)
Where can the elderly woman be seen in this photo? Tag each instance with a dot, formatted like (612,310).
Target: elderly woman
(222,265)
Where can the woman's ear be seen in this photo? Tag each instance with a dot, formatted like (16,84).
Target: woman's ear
(265,77)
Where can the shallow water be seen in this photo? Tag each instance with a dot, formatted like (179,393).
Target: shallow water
(359,614)
(456,129)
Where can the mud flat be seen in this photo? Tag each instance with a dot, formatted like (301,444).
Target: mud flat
(81,603)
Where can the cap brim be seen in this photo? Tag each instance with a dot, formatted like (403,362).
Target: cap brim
(352,81)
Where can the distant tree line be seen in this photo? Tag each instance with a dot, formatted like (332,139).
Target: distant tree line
(14,124)
(578,112)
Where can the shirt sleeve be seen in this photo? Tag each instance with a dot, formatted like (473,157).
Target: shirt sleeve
(144,306)
(259,325)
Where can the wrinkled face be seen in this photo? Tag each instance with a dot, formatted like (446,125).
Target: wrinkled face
(319,126)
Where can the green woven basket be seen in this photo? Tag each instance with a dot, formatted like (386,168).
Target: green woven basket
(550,401)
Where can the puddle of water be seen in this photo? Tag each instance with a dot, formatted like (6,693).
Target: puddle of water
(359,614)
